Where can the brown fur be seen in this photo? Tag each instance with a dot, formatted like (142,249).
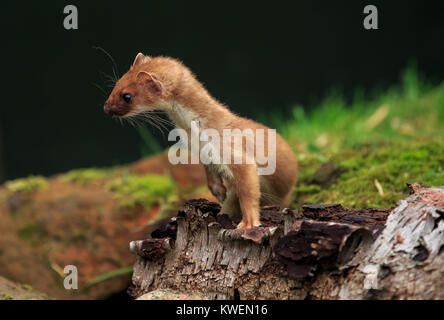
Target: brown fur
(161,83)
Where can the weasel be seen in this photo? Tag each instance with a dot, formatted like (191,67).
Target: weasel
(163,83)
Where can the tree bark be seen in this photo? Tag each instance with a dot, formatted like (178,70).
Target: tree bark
(325,252)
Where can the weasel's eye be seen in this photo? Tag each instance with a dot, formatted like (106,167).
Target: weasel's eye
(127,97)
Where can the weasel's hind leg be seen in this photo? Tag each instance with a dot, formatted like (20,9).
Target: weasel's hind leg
(286,200)
(269,196)
(231,206)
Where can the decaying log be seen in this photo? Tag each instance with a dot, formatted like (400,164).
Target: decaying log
(407,260)
(325,252)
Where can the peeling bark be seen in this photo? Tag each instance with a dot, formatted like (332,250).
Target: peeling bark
(325,252)
(406,261)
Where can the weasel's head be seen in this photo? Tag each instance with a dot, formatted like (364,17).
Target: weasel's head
(137,91)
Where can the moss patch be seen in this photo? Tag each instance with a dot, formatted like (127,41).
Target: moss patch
(26,287)
(33,232)
(377,141)
(5,296)
(14,291)
(87,176)
(144,190)
(389,165)
(27,185)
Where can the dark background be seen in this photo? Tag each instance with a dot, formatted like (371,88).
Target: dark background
(257,57)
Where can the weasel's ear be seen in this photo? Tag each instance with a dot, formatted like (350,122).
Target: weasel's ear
(140,58)
(154,85)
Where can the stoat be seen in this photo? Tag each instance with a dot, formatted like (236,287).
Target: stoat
(163,83)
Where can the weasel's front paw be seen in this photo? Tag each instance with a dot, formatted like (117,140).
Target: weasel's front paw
(246,225)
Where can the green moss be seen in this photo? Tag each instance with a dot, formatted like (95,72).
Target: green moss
(15,291)
(27,185)
(27,232)
(144,190)
(77,237)
(308,189)
(5,296)
(26,287)
(86,176)
(390,165)
(32,232)
(377,140)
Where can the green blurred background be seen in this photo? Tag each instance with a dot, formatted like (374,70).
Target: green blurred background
(260,58)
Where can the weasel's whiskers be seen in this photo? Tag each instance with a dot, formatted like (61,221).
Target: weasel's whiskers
(270,198)
(155,115)
(100,88)
(154,120)
(114,66)
(146,119)
(109,80)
